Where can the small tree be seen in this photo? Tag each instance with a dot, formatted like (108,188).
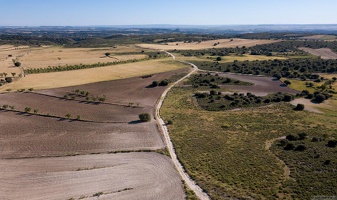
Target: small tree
(8,79)
(332,143)
(287,82)
(299,107)
(163,83)
(107,54)
(154,84)
(27,109)
(17,64)
(218,58)
(292,137)
(144,117)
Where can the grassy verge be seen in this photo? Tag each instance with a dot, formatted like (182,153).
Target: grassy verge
(225,151)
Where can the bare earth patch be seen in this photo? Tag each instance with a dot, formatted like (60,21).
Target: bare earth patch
(109,176)
(308,105)
(263,85)
(325,53)
(223,43)
(37,136)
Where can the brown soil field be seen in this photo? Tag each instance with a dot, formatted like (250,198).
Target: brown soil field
(325,53)
(223,43)
(263,85)
(36,136)
(114,176)
(92,75)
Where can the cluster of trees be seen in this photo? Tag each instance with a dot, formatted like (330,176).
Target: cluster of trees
(291,68)
(84,94)
(288,143)
(215,101)
(164,82)
(283,48)
(213,81)
(317,96)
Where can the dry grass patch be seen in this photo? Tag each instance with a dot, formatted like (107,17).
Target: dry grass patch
(42,57)
(84,76)
(221,43)
(230,58)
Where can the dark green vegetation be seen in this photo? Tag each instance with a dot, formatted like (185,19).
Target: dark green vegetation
(313,161)
(284,48)
(145,117)
(215,101)
(226,152)
(292,68)
(212,81)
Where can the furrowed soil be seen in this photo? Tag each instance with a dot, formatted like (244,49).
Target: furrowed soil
(115,127)
(108,176)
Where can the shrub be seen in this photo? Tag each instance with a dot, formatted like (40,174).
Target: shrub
(300,148)
(8,79)
(287,98)
(302,136)
(287,82)
(17,64)
(144,117)
(292,137)
(163,83)
(169,122)
(319,98)
(154,84)
(314,139)
(289,146)
(332,143)
(299,107)
(27,109)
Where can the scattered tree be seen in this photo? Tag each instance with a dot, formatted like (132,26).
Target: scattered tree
(27,109)
(17,64)
(144,117)
(299,107)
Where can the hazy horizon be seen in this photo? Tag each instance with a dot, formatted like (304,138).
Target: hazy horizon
(151,12)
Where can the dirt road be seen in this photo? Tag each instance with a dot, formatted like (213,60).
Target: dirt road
(190,183)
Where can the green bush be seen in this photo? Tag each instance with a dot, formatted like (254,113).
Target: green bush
(144,117)
(299,107)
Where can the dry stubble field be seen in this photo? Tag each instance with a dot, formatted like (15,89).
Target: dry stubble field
(325,53)
(92,75)
(223,43)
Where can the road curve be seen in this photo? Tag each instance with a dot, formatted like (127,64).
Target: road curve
(189,182)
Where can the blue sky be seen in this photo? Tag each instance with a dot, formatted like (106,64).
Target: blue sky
(187,12)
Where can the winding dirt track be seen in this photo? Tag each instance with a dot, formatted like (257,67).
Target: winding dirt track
(190,183)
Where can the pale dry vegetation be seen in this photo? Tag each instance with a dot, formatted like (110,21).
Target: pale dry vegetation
(221,43)
(92,75)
